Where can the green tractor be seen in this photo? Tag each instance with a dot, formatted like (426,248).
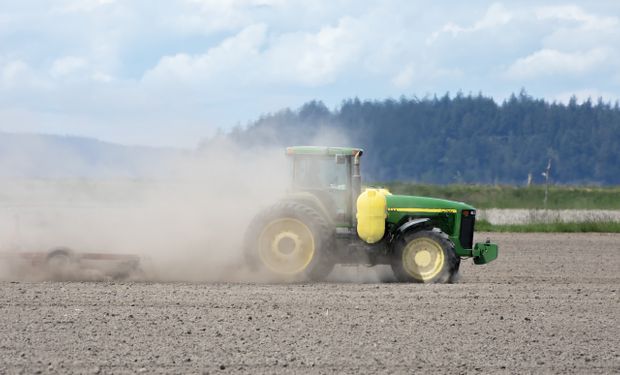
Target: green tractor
(326,219)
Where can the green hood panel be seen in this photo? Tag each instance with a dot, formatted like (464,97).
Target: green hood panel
(444,214)
(408,203)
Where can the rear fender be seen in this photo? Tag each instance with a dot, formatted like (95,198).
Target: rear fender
(312,201)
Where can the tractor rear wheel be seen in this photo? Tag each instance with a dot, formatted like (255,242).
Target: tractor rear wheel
(290,240)
(425,256)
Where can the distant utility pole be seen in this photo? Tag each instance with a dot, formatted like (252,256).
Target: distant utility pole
(546,175)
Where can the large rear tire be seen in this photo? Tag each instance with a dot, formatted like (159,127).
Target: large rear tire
(425,256)
(290,240)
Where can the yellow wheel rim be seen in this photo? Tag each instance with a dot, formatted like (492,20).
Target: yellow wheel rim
(423,259)
(286,246)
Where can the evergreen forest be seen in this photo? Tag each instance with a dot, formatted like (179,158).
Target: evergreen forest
(468,139)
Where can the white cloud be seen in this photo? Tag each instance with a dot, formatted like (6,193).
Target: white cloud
(252,57)
(208,16)
(314,58)
(227,5)
(227,61)
(495,16)
(231,54)
(67,65)
(74,6)
(573,29)
(18,75)
(76,69)
(423,75)
(11,71)
(577,14)
(404,78)
(552,62)
(102,77)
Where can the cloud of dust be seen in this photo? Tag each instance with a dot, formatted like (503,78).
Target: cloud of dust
(186,226)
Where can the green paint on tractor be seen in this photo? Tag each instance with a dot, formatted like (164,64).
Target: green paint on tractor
(327,219)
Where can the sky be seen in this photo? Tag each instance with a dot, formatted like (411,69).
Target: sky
(170,73)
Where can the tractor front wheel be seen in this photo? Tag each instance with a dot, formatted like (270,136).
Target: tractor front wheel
(425,256)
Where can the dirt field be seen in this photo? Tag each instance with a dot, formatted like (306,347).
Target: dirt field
(549,304)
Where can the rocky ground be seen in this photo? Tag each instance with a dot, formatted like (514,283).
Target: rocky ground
(549,304)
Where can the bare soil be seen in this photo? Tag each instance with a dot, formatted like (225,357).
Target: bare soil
(549,304)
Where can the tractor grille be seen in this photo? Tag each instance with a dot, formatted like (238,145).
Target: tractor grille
(467,231)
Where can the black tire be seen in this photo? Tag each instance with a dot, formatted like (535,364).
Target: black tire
(128,271)
(278,241)
(61,264)
(425,256)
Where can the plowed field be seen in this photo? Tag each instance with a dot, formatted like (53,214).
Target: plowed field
(549,303)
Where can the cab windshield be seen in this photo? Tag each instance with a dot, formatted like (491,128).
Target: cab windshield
(324,173)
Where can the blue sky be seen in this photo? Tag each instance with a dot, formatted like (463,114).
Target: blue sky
(173,72)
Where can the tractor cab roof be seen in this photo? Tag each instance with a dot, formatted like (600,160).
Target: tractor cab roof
(323,151)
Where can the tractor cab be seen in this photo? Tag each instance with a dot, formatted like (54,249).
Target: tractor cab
(331,175)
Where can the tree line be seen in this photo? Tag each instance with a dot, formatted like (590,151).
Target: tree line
(458,139)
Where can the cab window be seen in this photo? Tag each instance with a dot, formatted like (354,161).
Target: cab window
(328,173)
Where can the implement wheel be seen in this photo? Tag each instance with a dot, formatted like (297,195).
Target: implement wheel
(425,256)
(61,264)
(290,240)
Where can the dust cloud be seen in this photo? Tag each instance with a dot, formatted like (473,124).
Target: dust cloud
(185,216)
(187,227)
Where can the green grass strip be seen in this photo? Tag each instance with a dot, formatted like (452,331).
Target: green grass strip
(502,196)
(555,227)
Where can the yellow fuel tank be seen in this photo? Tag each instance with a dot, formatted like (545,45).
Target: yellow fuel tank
(371,214)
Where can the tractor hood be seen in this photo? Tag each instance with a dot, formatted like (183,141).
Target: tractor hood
(408,203)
